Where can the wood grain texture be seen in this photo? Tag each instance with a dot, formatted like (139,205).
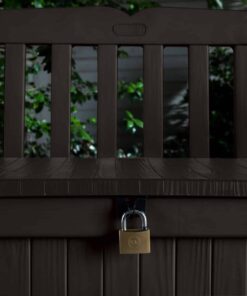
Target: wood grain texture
(240,101)
(193,267)
(199,101)
(107,101)
(92,265)
(168,217)
(194,256)
(60,100)
(163,26)
(182,169)
(14,267)
(229,267)
(14,100)
(56,217)
(49,267)
(191,217)
(158,269)
(53,277)
(121,272)
(153,101)
(229,256)
(110,176)
(85,267)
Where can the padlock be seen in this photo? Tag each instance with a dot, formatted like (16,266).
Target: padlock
(134,241)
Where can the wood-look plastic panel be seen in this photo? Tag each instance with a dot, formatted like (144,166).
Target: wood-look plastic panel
(163,26)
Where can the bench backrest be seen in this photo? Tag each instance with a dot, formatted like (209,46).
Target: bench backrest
(108,28)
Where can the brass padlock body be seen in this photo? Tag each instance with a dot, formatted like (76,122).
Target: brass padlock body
(134,241)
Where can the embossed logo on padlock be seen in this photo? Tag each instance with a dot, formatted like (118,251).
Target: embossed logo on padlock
(134,241)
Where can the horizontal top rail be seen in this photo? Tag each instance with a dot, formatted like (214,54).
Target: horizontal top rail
(103,25)
(128,177)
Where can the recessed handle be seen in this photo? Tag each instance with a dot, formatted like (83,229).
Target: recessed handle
(129,29)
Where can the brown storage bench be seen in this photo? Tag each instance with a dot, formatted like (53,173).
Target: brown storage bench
(58,224)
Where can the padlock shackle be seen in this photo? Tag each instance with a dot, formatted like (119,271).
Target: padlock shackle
(141,214)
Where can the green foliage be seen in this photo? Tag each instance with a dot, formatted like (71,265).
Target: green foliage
(130,6)
(222,4)
(176,142)
(37,99)
(83,143)
(221,111)
(221,102)
(221,96)
(221,106)
(216,4)
(132,94)
(132,123)
(134,90)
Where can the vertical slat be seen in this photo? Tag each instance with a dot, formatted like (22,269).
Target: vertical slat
(14,254)
(49,267)
(121,272)
(52,254)
(107,100)
(14,100)
(60,100)
(193,267)
(14,267)
(194,256)
(199,101)
(153,101)
(229,267)
(240,100)
(158,269)
(85,267)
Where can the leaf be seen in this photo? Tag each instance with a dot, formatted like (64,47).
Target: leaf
(129,114)
(122,54)
(138,122)
(38,3)
(215,4)
(92,120)
(130,124)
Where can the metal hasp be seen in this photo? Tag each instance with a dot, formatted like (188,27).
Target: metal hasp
(126,204)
